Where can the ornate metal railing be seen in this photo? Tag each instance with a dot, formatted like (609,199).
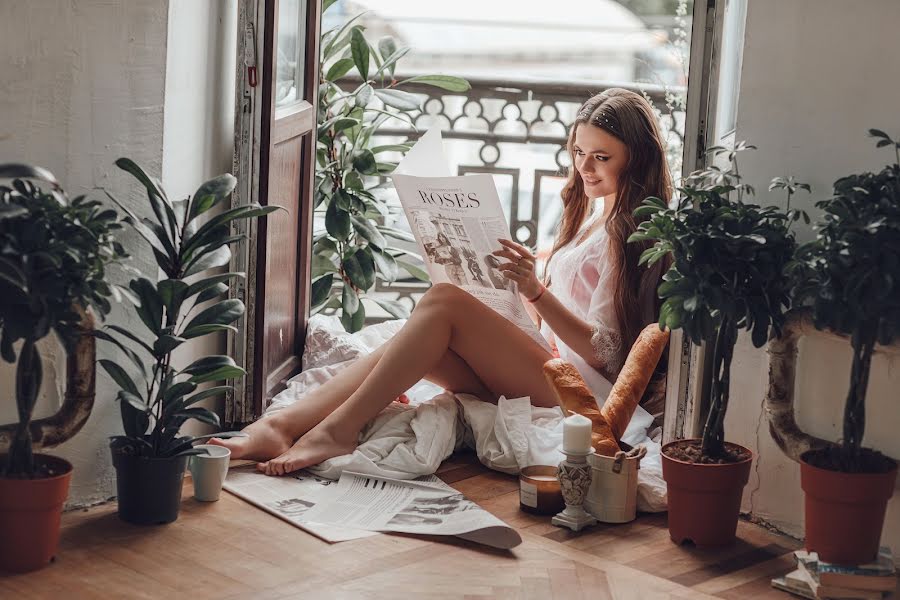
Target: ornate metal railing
(517,131)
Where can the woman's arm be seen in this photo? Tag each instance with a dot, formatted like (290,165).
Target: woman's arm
(591,341)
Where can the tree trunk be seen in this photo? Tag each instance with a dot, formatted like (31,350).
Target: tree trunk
(863,343)
(714,430)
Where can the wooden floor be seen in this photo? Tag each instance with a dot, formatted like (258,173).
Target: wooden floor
(229,549)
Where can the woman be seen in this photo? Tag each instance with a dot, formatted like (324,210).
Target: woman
(595,302)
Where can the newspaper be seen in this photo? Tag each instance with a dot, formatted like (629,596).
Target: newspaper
(289,498)
(357,506)
(457,222)
(424,506)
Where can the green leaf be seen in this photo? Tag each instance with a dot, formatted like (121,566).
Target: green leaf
(219,257)
(131,354)
(349,300)
(213,293)
(391,148)
(151,309)
(122,379)
(390,63)
(327,4)
(172,294)
(359,49)
(177,391)
(360,268)
(399,99)
(393,307)
(219,374)
(166,343)
(207,283)
(207,393)
(445,82)
(364,162)
(321,289)
(221,313)
(386,264)
(354,322)
(207,364)
(204,415)
(387,46)
(364,95)
(337,222)
(130,336)
(210,193)
(368,232)
(339,69)
(414,271)
(134,400)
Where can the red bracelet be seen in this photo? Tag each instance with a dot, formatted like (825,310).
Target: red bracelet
(538,297)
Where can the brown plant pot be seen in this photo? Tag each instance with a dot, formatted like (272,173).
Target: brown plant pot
(30,511)
(844,512)
(704,499)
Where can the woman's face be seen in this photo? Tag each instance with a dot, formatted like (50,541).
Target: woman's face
(599,158)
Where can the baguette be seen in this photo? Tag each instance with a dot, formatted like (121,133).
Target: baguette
(608,424)
(632,381)
(574,397)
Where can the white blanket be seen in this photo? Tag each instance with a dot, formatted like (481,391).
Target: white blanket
(406,441)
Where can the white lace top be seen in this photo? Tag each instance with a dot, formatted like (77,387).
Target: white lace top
(581,278)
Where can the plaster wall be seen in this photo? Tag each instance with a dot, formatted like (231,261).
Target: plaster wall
(816,75)
(85,83)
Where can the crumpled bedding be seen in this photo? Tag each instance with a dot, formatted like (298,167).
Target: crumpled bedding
(408,440)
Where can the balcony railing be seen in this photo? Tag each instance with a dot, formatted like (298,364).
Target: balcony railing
(516,130)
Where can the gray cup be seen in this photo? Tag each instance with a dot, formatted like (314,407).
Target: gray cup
(208,472)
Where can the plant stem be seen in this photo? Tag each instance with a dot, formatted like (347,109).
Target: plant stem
(863,343)
(713,444)
(29,372)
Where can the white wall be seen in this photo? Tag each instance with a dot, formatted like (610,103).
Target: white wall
(198,134)
(817,74)
(85,83)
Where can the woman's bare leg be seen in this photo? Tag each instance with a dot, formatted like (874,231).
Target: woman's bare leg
(503,357)
(272,436)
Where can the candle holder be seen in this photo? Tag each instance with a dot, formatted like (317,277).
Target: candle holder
(574,480)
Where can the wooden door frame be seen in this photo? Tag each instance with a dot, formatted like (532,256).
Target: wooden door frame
(257,24)
(688,369)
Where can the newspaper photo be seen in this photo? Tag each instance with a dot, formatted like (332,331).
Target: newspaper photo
(426,507)
(457,222)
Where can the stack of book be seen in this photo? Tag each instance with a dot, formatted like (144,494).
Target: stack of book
(817,579)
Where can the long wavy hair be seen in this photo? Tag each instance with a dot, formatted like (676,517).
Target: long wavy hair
(630,118)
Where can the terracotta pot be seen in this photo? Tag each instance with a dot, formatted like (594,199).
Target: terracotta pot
(30,511)
(704,500)
(844,512)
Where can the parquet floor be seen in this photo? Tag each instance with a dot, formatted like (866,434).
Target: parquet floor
(230,550)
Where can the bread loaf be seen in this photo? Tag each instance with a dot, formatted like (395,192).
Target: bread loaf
(608,424)
(632,381)
(574,397)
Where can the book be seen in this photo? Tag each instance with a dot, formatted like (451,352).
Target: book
(878,576)
(792,584)
(820,590)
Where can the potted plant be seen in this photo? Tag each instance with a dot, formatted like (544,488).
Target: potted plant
(53,258)
(155,397)
(353,249)
(849,278)
(728,273)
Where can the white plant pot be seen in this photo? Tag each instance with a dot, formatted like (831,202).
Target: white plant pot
(612,497)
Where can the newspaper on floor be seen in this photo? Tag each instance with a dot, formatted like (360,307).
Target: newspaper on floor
(294,498)
(423,506)
(289,498)
(457,222)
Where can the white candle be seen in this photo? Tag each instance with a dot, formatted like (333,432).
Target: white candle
(576,434)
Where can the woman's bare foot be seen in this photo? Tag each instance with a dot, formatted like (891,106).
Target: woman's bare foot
(266,440)
(317,445)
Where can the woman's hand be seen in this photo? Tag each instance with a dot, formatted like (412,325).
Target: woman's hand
(520,268)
